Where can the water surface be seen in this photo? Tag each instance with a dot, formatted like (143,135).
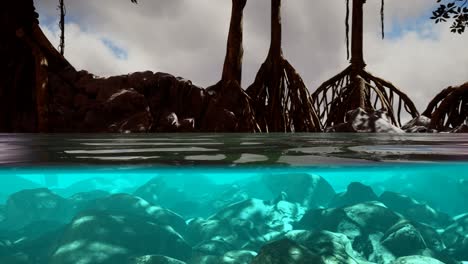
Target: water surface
(231,198)
(230,149)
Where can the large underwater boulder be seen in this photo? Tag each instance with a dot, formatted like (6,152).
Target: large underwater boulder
(372,216)
(248,225)
(218,234)
(438,189)
(355,193)
(102,237)
(12,184)
(414,210)
(190,196)
(286,251)
(230,257)
(28,206)
(404,239)
(309,190)
(331,247)
(81,201)
(417,260)
(2,214)
(33,231)
(456,238)
(154,259)
(110,185)
(133,205)
(463,186)
(261,215)
(353,221)
(33,244)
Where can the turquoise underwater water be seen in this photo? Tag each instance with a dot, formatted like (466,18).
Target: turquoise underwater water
(234,199)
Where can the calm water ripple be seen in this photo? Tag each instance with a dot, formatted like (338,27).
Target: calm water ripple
(230,149)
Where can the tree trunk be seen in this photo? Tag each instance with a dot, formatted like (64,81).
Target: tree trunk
(17,96)
(27,59)
(276,29)
(232,70)
(357,55)
(276,107)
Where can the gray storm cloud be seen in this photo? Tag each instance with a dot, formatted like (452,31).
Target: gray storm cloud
(188,38)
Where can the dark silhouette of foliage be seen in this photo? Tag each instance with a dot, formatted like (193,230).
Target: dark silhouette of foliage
(455,10)
(355,87)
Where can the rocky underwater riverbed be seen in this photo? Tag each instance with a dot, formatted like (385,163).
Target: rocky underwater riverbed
(275,218)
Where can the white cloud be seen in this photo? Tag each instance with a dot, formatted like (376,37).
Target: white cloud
(188,38)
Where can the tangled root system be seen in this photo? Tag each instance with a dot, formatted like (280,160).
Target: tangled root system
(449,109)
(349,90)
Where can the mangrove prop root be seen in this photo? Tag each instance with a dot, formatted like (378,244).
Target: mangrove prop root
(281,99)
(228,93)
(351,89)
(355,87)
(448,109)
(232,69)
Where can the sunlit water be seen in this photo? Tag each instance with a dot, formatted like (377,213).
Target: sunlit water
(229,197)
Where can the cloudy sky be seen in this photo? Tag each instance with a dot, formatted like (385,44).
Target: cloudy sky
(188,38)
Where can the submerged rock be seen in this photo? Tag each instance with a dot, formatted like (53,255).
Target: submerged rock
(244,225)
(201,230)
(216,246)
(129,204)
(194,196)
(81,201)
(456,238)
(154,259)
(463,186)
(264,217)
(2,215)
(372,216)
(331,247)
(286,251)
(12,184)
(33,244)
(311,191)
(448,197)
(352,221)
(413,209)
(34,205)
(111,185)
(101,237)
(231,257)
(404,239)
(356,193)
(370,247)
(417,260)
